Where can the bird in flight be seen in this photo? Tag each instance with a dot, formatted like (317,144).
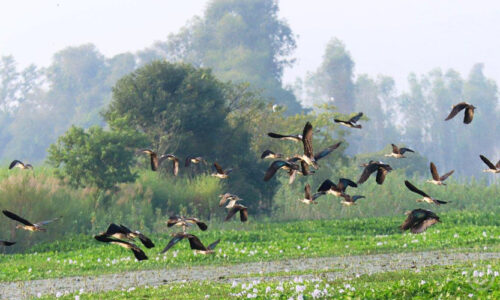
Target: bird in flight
(426,198)
(27,225)
(375,166)
(138,253)
(398,152)
(123,233)
(491,167)
(308,197)
(436,179)
(351,123)
(155,161)
(468,115)
(220,173)
(418,220)
(19,164)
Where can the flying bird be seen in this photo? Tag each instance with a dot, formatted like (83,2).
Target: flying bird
(123,233)
(27,225)
(155,161)
(491,167)
(20,165)
(220,173)
(375,166)
(185,222)
(175,163)
(426,198)
(468,115)
(228,197)
(294,138)
(419,220)
(6,243)
(138,253)
(436,179)
(193,160)
(326,151)
(304,171)
(194,243)
(398,152)
(270,154)
(308,156)
(349,200)
(279,164)
(351,123)
(243,210)
(328,187)
(308,197)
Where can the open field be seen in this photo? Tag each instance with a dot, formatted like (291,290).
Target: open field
(459,232)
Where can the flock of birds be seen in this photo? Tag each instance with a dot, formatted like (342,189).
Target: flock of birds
(417,221)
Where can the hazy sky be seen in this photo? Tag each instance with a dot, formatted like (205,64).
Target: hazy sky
(392,37)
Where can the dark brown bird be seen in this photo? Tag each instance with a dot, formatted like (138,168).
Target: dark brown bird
(279,164)
(378,166)
(328,187)
(27,225)
(123,233)
(270,154)
(426,198)
(193,160)
(185,222)
(194,243)
(308,156)
(468,115)
(238,208)
(138,253)
(175,163)
(6,243)
(349,200)
(155,161)
(351,123)
(491,167)
(308,197)
(398,152)
(220,173)
(436,179)
(419,220)
(20,165)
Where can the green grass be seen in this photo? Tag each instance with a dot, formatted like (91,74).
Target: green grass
(82,255)
(471,280)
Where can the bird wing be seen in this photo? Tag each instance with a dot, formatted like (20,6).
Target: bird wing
(455,110)
(407,224)
(177,238)
(305,168)
(138,253)
(344,183)
(326,186)
(6,243)
(487,162)
(381,173)
(403,150)
(443,178)
(195,243)
(469,115)
(113,228)
(498,164)
(14,163)
(326,151)
(175,166)
(356,118)
(422,226)
(48,221)
(172,220)
(243,214)
(368,170)
(15,217)
(356,197)
(281,136)
(273,168)
(307,140)
(434,172)
(145,240)
(293,174)
(231,212)
(213,245)
(201,225)
(187,162)
(218,168)
(395,149)
(307,191)
(223,199)
(414,189)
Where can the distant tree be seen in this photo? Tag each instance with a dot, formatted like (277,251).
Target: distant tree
(241,41)
(95,157)
(333,80)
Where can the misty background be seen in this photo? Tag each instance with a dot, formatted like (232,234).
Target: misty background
(402,63)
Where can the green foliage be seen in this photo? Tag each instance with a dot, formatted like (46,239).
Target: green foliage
(95,158)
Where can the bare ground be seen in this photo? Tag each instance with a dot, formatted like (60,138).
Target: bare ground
(331,267)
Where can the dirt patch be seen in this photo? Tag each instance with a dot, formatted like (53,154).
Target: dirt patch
(347,266)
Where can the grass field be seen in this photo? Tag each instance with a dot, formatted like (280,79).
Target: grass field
(82,255)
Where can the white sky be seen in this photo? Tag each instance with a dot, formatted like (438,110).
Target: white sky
(392,37)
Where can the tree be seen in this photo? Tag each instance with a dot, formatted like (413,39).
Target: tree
(333,80)
(241,41)
(96,157)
